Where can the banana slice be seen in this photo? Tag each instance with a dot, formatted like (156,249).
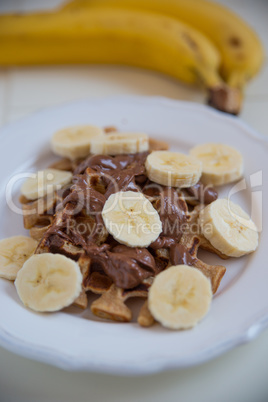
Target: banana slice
(222,164)
(49,282)
(131,219)
(173,169)
(74,142)
(45,182)
(14,251)
(228,228)
(179,297)
(120,143)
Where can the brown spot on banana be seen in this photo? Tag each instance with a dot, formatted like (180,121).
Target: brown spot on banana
(235,42)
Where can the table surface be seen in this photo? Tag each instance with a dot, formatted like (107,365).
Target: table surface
(239,375)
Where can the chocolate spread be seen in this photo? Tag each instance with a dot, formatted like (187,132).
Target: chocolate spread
(172,210)
(127,267)
(180,255)
(119,173)
(203,194)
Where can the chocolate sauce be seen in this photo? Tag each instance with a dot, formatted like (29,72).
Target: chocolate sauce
(119,172)
(180,255)
(85,198)
(127,267)
(203,194)
(172,210)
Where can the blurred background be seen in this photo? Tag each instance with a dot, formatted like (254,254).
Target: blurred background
(239,375)
(24,90)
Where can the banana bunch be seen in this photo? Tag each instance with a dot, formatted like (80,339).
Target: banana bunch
(241,51)
(195,41)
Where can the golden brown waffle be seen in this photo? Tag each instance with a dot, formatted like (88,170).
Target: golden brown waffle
(145,318)
(38,215)
(157,145)
(191,240)
(81,301)
(111,305)
(48,220)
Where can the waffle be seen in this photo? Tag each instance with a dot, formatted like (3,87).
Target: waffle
(38,215)
(192,242)
(54,222)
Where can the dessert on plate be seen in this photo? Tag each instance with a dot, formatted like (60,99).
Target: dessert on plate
(123,217)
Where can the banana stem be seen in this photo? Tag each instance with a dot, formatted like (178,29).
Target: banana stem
(225,98)
(221,96)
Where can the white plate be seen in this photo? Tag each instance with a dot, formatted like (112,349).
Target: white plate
(75,340)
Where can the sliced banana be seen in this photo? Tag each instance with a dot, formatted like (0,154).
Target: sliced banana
(173,169)
(228,228)
(131,219)
(120,143)
(49,282)
(74,142)
(180,297)
(45,182)
(14,251)
(222,164)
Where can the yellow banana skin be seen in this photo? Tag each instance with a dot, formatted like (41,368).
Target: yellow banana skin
(109,36)
(117,36)
(241,50)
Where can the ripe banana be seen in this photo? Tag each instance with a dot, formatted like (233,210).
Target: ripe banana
(45,182)
(180,297)
(49,282)
(14,251)
(131,219)
(120,143)
(74,142)
(241,50)
(221,163)
(173,169)
(228,228)
(116,36)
